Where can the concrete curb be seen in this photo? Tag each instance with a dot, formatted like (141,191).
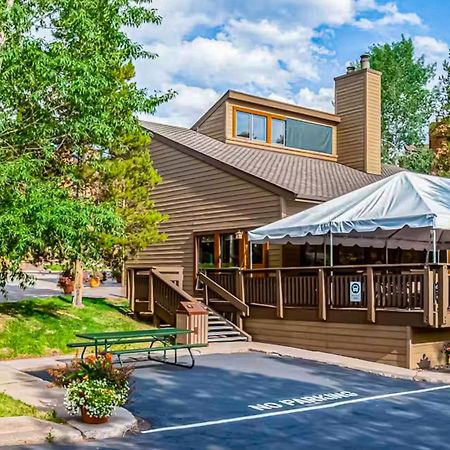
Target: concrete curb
(42,395)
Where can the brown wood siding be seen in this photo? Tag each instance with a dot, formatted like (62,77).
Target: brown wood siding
(358,103)
(373,117)
(385,344)
(201,198)
(214,125)
(427,344)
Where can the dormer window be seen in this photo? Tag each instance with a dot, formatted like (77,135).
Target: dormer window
(283,131)
(251,126)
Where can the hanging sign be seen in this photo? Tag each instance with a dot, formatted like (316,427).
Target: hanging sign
(355,291)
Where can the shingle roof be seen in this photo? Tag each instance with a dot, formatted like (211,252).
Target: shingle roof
(305,178)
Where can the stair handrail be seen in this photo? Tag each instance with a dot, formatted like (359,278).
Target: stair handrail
(172,285)
(226,295)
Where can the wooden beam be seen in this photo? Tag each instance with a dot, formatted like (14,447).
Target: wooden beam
(205,295)
(428,297)
(132,288)
(226,295)
(280,306)
(370,295)
(443,295)
(151,295)
(322,295)
(240,289)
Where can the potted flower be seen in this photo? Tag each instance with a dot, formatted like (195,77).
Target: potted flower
(117,275)
(66,282)
(94,388)
(95,279)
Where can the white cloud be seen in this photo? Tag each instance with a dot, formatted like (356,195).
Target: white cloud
(189,105)
(266,48)
(323,99)
(390,16)
(433,49)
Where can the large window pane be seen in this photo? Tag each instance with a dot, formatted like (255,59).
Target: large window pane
(308,136)
(206,251)
(257,254)
(229,250)
(259,128)
(278,131)
(243,124)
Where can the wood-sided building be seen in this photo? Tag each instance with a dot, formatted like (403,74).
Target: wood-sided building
(249,161)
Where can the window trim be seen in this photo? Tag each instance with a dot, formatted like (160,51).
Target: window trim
(269,116)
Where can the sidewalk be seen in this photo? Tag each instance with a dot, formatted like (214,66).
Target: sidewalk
(41,394)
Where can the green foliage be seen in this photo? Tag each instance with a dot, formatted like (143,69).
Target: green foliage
(418,159)
(52,322)
(129,180)
(407,101)
(10,407)
(67,108)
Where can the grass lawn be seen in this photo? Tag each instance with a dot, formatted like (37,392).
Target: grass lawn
(9,407)
(43,327)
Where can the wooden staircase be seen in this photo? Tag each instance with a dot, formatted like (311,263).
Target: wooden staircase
(222,330)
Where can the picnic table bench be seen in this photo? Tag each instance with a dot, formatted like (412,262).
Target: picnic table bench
(165,338)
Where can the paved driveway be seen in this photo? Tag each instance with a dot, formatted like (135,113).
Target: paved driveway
(46,286)
(258,401)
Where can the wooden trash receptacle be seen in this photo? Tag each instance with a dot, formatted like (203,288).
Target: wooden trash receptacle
(193,316)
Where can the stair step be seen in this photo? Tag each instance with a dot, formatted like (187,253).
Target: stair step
(220,328)
(228,339)
(224,333)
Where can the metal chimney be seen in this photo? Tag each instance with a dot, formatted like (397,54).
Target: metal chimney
(365,61)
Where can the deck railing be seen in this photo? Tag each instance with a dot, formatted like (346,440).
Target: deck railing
(403,287)
(153,292)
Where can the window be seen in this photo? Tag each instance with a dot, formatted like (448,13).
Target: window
(257,254)
(229,247)
(253,126)
(243,124)
(206,251)
(293,133)
(308,136)
(278,131)
(259,128)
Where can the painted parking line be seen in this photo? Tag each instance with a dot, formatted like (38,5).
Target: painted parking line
(296,410)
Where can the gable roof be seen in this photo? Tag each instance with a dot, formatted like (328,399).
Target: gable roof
(294,176)
(266,102)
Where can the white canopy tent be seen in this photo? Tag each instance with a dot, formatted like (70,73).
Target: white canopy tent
(406,210)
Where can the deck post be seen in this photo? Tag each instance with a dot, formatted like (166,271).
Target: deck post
(443,295)
(322,295)
(240,290)
(280,307)
(132,289)
(428,297)
(370,295)
(205,294)
(151,295)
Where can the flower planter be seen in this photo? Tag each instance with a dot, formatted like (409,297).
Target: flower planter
(86,418)
(68,288)
(94,282)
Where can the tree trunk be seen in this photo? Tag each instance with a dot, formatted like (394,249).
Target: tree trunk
(77,300)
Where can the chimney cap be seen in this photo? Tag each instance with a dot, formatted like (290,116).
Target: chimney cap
(351,68)
(365,61)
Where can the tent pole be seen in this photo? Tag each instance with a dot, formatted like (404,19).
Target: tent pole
(386,254)
(331,248)
(434,248)
(250,255)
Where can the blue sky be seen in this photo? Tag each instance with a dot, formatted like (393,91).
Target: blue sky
(284,49)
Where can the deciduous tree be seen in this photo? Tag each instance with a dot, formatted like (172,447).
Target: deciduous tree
(68,107)
(407,100)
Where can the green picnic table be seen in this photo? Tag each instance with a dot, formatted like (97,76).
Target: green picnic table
(107,342)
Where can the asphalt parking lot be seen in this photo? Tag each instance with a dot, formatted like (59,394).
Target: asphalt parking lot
(259,401)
